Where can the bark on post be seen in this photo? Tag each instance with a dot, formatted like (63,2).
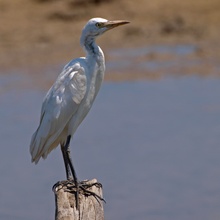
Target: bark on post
(90,207)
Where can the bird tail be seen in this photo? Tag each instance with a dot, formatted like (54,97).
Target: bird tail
(41,145)
(35,148)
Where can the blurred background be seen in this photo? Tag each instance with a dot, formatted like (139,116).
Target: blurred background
(152,137)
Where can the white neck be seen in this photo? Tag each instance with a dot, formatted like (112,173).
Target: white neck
(92,49)
(89,45)
(96,63)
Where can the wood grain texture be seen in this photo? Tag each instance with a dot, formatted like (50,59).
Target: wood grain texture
(90,207)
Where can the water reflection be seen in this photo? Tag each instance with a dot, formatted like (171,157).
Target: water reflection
(154,145)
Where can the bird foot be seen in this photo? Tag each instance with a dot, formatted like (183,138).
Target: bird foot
(82,187)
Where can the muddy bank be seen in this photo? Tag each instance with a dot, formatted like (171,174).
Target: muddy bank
(37,33)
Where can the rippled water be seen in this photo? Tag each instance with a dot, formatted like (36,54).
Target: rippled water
(154,145)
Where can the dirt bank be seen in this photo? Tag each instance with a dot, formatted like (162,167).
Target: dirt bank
(37,33)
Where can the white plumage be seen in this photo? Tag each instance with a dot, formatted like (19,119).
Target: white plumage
(70,98)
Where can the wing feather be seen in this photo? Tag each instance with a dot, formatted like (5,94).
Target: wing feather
(60,104)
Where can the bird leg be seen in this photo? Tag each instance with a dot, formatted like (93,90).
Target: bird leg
(70,171)
(67,168)
(72,177)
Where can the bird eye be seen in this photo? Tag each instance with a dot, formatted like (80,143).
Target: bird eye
(98,25)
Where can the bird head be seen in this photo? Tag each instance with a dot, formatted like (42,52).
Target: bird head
(97,26)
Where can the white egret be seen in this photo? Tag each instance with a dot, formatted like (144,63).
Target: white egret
(70,98)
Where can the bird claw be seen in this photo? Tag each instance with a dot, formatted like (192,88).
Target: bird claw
(82,188)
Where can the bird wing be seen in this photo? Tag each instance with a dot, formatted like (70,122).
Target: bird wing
(60,104)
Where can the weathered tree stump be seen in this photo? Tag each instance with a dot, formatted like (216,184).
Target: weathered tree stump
(90,207)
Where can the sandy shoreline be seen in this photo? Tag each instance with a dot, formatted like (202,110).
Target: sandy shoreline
(37,34)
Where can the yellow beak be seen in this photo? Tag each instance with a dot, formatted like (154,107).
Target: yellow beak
(113,24)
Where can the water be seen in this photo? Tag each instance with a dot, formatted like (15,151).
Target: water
(130,58)
(154,145)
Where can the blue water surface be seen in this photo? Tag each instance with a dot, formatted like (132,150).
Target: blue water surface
(154,145)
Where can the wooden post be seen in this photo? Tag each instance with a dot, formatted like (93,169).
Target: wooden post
(90,207)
